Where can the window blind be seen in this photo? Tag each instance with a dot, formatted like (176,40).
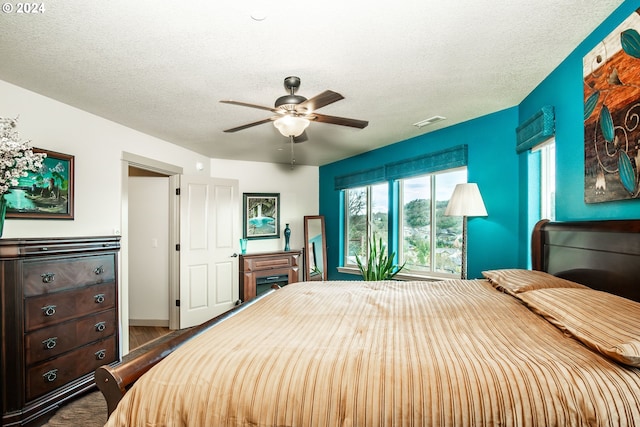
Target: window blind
(428,163)
(360,178)
(536,129)
(419,165)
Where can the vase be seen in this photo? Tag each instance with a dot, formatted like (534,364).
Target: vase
(3,212)
(287,235)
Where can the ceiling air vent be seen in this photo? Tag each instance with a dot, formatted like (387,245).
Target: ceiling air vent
(429,121)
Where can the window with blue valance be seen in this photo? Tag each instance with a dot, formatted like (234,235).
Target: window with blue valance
(536,129)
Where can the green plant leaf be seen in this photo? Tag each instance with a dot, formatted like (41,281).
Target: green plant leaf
(379,266)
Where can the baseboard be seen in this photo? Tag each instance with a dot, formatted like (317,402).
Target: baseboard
(149,322)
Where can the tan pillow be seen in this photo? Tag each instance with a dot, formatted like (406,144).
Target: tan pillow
(514,281)
(604,322)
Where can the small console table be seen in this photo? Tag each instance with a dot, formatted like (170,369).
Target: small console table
(259,271)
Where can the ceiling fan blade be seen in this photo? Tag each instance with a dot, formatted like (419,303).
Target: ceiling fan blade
(248,125)
(301,138)
(325,98)
(342,121)
(245,104)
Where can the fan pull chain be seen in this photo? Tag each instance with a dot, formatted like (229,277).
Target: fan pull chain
(293,160)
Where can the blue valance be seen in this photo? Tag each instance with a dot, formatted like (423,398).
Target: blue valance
(536,129)
(360,178)
(420,165)
(427,163)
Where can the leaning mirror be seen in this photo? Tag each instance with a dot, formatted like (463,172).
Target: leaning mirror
(315,248)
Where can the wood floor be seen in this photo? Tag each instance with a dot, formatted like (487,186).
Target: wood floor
(139,335)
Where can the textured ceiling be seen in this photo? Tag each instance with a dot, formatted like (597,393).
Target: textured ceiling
(162,67)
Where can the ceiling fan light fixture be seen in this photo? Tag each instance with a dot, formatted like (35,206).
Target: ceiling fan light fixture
(291,125)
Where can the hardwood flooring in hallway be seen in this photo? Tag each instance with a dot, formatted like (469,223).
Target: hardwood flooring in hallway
(140,335)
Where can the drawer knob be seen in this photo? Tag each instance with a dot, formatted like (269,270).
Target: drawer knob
(48,277)
(49,310)
(50,343)
(99,270)
(50,376)
(101,354)
(99,298)
(101,326)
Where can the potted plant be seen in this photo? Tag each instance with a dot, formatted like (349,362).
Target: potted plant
(378,265)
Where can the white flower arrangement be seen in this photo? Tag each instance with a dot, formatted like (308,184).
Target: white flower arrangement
(16,156)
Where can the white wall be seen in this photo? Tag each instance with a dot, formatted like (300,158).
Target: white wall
(298,188)
(148,251)
(97,145)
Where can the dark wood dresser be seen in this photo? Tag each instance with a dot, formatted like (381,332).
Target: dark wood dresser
(262,270)
(59,301)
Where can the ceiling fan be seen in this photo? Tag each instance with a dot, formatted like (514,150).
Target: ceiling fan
(293,113)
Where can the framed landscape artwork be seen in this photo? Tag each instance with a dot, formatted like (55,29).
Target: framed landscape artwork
(261,216)
(45,194)
(611,78)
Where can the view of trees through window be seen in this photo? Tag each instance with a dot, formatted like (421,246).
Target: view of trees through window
(367,216)
(423,201)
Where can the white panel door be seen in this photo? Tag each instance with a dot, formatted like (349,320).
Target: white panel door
(209,233)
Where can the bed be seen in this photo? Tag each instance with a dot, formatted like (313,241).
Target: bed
(551,346)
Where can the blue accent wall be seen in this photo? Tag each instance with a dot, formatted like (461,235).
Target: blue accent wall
(563,89)
(502,239)
(492,165)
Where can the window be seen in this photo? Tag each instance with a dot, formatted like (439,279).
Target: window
(366,216)
(548,180)
(428,241)
(424,200)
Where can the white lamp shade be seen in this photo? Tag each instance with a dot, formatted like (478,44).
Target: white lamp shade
(466,201)
(291,125)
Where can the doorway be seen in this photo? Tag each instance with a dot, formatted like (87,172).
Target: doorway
(140,174)
(148,255)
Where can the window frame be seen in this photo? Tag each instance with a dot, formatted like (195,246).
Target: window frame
(433,189)
(395,224)
(368,221)
(548,168)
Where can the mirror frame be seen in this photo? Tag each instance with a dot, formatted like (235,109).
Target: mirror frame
(310,246)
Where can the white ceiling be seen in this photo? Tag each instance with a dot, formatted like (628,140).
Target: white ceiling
(161,66)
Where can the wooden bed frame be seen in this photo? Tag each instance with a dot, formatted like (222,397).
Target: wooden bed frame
(604,255)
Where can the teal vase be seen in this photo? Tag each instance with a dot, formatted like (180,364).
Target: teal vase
(287,235)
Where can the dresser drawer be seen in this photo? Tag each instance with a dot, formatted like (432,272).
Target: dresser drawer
(43,276)
(268,263)
(50,375)
(54,340)
(51,309)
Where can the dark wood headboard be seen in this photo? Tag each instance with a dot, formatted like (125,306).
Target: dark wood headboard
(603,255)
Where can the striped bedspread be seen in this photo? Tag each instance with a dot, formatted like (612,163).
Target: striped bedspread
(359,354)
